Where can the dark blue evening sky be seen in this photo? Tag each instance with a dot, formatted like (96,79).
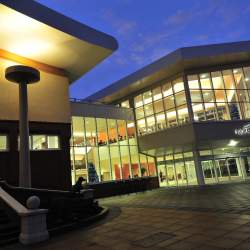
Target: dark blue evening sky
(149,29)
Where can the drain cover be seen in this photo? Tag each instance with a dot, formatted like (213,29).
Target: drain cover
(153,239)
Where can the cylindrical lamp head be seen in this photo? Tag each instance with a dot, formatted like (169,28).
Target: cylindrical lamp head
(22,74)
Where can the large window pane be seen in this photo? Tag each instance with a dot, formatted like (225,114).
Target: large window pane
(80,162)
(144,165)
(148,109)
(183,114)
(141,124)
(115,162)
(158,106)
(151,124)
(199,113)
(171,118)
(167,89)
(112,131)
(205,81)
(147,97)
(239,79)
(102,131)
(78,131)
(131,133)
(228,79)
(39,142)
(105,163)
(247,76)
(135,163)
(125,104)
(93,164)
(157,94)
(161,121)
(3,143)
(217,80)
(90,126)
(223,111)
(220,95)
(234,111)
(122,132)
(180,98)
(151,166)
(125,162)
(53,142)
(195,95)
(138,101)
(208,95)
(139,112)
(193,82)
(169,102)
(178,85)
(210,111)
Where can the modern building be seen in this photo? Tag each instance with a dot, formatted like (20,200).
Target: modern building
(192,111)
(184,118)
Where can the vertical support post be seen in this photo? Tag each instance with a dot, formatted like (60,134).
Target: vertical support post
(188,98)
(198,168)
(24,154)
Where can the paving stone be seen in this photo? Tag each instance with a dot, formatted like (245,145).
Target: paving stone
(153,239)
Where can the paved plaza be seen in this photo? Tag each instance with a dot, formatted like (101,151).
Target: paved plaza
(213,217)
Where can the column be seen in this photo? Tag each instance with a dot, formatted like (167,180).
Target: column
(198,168)
(24,156)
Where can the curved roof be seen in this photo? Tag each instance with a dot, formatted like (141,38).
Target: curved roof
(179,60)
(34,31)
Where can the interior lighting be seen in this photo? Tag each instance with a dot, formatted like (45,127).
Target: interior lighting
(232,143)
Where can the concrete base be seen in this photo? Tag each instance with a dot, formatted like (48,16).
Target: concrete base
(33,227)
(28,239)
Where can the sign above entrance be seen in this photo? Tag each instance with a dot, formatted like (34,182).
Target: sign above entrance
(245,130)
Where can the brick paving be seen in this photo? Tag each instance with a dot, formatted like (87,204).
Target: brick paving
(166,219)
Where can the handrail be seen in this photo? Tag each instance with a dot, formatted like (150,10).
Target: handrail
(14,204)
(76,100)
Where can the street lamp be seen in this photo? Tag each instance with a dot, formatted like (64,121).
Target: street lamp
(23,75)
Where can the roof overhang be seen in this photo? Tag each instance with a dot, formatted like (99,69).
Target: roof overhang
(34,32)
(182,59)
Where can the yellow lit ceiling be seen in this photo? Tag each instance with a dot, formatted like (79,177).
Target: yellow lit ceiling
(27,37)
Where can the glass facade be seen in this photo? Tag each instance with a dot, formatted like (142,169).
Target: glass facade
(106,149)
(220,95)
(225,164)
(177,169)
(161,107)
(216,95)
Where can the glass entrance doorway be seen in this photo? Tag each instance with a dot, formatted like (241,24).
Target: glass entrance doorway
(222,170)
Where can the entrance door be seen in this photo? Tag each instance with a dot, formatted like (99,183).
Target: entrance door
(222,170)
(234,168)
(171,176)
(181,173)
(162,175)
(208,171)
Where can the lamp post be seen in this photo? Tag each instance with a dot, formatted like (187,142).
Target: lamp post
(23,75)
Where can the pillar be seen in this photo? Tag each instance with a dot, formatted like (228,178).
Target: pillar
(198,168)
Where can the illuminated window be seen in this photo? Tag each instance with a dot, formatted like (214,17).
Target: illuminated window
(44,142)
(224,95)
(125,104)
(3,143)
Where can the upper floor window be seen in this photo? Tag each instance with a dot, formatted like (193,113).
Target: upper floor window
(125,104)
(3,143)
(43,142)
